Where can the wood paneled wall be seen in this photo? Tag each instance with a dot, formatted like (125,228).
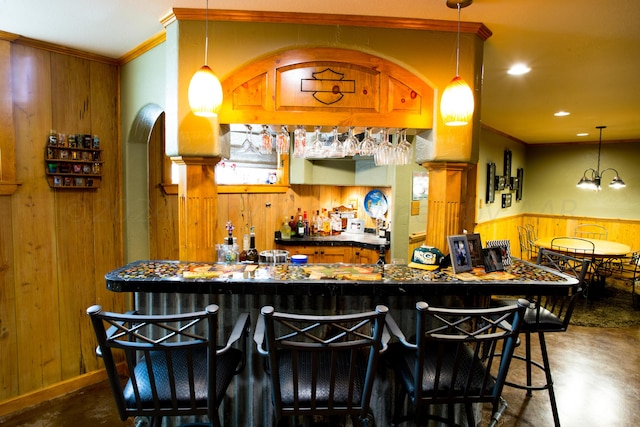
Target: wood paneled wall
(623,231)
(56,245)
(264,211)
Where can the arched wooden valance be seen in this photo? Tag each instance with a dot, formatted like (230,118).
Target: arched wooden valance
(328,87)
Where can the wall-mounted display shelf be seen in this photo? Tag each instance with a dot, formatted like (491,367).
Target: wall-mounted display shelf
(73,162)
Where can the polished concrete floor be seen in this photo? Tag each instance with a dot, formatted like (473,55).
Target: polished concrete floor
(596,373)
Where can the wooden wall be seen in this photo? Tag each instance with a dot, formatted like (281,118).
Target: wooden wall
(56,245)
(623,231)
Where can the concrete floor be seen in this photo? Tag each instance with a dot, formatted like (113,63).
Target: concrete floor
(596,373)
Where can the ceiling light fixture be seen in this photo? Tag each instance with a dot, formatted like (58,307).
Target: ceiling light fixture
(457,103)
(561,113)
(593,182)
(205,90)
(518,69)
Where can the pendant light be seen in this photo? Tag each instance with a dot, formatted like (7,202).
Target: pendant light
(205,90)
(592,182)
(457,103)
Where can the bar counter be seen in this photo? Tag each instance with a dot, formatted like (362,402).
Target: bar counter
(162,287)
(329,279)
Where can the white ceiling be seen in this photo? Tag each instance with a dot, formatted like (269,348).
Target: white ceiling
(584,54)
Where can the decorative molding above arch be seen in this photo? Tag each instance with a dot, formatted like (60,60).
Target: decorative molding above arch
(328,87)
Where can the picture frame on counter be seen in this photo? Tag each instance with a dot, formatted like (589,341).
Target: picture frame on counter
(492,260)
(475,249)
(505,249)
(459,251)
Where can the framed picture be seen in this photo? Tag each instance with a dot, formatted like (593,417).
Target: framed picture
(459,250)
(519,184)
(490,197)
(492,260)
(507,163)
(475,249)
(506,200)
(500,183)
(505,249)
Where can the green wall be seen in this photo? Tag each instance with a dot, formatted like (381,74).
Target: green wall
(551,172)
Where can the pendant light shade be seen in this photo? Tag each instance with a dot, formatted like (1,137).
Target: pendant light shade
(457,103)
(205,92)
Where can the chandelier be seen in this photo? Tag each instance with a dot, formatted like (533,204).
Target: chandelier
(591,178)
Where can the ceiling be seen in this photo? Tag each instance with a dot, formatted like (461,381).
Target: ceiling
(584,54)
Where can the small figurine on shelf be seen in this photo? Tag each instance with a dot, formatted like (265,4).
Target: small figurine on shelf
(230,249)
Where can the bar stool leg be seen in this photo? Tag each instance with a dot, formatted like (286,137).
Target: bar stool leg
(528,363)
(547,371)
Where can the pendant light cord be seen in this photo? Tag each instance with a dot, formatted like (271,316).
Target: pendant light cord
(206,33)
(457,43)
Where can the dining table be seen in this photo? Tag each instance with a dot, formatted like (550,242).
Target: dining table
(167,286)
(603,252)
(601,248)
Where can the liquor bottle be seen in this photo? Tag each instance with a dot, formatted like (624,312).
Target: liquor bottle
(305,221)
(381,260)
(285,230)
(245,247)
(293,227)
(300,227)
(252,252)
(326,224)
(316,223)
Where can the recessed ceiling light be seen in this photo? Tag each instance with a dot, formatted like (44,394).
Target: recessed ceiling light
(518,69)
(561,113)
(582,134)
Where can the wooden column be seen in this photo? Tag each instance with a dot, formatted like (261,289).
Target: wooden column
(197,207)
(451,205)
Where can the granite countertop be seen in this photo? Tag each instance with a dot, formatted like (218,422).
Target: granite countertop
(366,240)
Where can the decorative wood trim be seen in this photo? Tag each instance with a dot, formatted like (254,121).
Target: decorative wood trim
(264,91)
(227,189)
(477,28)
(139,50)
(8,188)
(52,47)
(29,399)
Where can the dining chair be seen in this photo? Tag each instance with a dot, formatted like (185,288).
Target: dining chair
(525,243)
(321,366)
(547,314)
(625,269)
(591,231)
(173,365)
(533,233)
(452,360)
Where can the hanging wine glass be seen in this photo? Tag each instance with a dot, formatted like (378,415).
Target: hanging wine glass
(368,145)
(350,144)
(336,149)
(299,141)
(266,143)
(317,147)
(283,140)
(247,145)
(403,149)
(384,150)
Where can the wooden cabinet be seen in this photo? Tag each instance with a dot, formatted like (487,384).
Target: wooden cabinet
(364,256)
(334,254)
(74,164)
